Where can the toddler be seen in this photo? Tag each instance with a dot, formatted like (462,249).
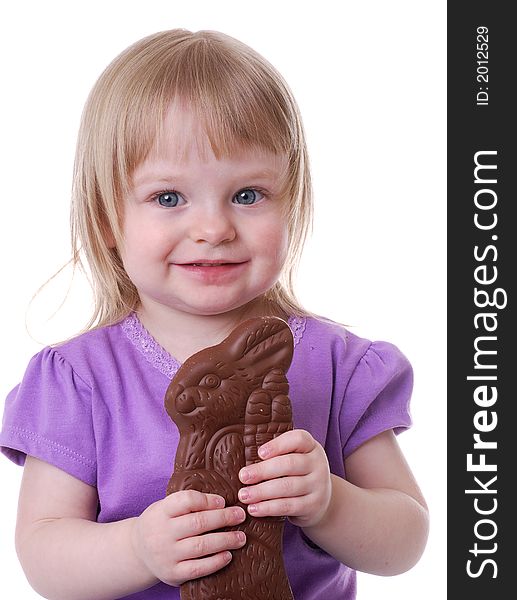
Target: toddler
(191,204)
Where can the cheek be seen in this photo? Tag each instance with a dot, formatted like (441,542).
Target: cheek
(274,242)
(145,239)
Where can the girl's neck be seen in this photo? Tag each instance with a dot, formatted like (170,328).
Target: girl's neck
(182,334)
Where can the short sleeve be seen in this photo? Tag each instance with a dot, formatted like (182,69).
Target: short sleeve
(49,416)
(377,396)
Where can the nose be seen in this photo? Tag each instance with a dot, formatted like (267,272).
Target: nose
(212,225)
(186,401)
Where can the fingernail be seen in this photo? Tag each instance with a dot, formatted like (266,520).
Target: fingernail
(244,494)
(263,451)
(219,501)
(252,508)
(241,537)
(244,475)
(238,513)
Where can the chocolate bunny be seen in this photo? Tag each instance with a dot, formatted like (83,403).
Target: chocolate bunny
(228,400)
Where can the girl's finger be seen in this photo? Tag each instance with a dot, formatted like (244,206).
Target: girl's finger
(284,487)
(200,567)
(296,440)
(187,501)
(210,543)
(279,466)
(201,522)
(279,507)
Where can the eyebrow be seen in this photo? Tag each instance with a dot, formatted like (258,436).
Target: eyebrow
(153,178)
(157,175)
(160,177)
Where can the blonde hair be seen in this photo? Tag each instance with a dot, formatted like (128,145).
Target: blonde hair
(241,101)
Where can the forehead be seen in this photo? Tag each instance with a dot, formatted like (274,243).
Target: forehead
(182,140)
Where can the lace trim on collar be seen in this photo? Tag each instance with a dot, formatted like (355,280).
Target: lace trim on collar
(164,362)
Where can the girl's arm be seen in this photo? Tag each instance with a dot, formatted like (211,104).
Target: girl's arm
(67,555)
(375,521)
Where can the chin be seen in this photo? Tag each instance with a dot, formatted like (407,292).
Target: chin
(218,307)
(213,311)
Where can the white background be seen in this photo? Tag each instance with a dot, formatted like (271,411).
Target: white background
(370,81)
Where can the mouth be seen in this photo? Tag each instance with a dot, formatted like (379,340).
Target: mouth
(210,263)
(202,264)
(212,272)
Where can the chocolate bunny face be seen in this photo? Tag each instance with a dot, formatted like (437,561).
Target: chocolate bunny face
(218,380)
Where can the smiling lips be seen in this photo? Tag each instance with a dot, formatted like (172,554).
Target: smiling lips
(210,263)
(213,271)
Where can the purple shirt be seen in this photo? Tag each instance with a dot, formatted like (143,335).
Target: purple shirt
(93,407)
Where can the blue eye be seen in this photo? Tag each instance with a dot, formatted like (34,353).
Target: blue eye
(168,199)
(247,196)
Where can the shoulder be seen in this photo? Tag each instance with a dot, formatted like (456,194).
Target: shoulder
(330,351)
(51,414)
(335,341)
(88,353)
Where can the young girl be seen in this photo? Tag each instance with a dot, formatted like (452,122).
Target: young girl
(191,203)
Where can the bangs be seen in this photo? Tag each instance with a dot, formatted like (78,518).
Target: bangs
(237,98)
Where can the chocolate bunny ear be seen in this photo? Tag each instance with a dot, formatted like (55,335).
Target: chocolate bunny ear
(262,346)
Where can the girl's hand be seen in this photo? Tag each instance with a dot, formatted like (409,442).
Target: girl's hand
(175,537)
(292,480)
